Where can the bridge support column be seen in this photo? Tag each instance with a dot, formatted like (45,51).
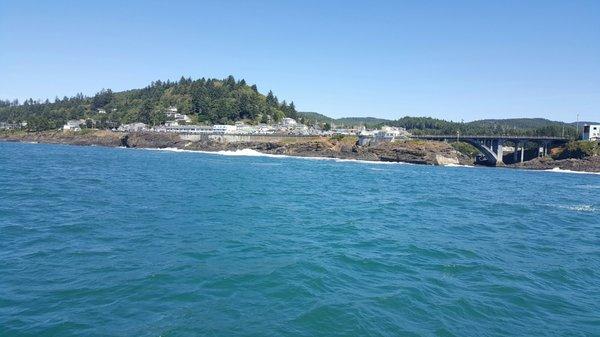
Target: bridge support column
(522,146)
(497,147)
(546,145)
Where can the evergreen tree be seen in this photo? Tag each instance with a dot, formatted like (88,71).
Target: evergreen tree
(272,100)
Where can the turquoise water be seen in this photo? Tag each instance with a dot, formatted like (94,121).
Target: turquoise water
(122,242)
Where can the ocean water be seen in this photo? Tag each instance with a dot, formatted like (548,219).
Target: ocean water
(129,242)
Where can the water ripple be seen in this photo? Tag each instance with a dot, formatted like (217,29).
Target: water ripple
(99,241)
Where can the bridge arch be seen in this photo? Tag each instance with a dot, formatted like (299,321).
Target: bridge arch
(491,154)
(492,146)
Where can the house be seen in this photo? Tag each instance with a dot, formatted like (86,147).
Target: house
(133,127)
(73,125)
(591,132)
(182,118)
(223,129)
(389,134)
(101,111)
(8,126)
(385,134)
(264,129)
(365,137)
(288,121)
(298,129)
(171,111)
(243,128)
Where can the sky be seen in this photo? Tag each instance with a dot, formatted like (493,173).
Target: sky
(456,60)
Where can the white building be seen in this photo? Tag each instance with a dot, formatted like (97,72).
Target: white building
(288,121)
(133,127)
(591,132)
(102,111)
(243,128)
(8,126)
(385,134)
(390,133)
(223,129)
(182,118)
(186,129)
(171,111)
(73,125)
(264,129)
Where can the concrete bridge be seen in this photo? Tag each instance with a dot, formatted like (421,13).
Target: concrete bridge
(492,146)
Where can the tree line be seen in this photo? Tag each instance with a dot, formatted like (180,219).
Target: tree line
(508,127)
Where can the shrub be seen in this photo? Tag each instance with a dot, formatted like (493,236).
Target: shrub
(578,149)
(465,148)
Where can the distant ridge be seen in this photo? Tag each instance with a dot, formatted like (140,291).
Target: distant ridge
(429,125)
(583,123)
(344,121)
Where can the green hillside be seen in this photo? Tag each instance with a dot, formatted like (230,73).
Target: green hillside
(519,123)
(507,127)
(315,117)
(366,121)
(205,100)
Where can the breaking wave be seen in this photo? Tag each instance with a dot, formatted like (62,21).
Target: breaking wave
(254,153)
(459,165)
(559,170)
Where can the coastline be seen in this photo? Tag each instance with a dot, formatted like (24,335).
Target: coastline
(413,152)
(409,151)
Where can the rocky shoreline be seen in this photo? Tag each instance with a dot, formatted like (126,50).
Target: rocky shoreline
(410,151)
(416,152)
(587,164)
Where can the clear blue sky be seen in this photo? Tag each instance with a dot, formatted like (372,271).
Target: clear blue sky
(448,59)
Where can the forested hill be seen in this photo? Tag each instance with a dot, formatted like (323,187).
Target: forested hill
(434,126)
(507,127)
(213,101)
(315,117)
(205,100)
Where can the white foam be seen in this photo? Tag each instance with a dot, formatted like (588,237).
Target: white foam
(580,208)
(459,165)
(559,170)
(254,153)
(247,153)
(588,186)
